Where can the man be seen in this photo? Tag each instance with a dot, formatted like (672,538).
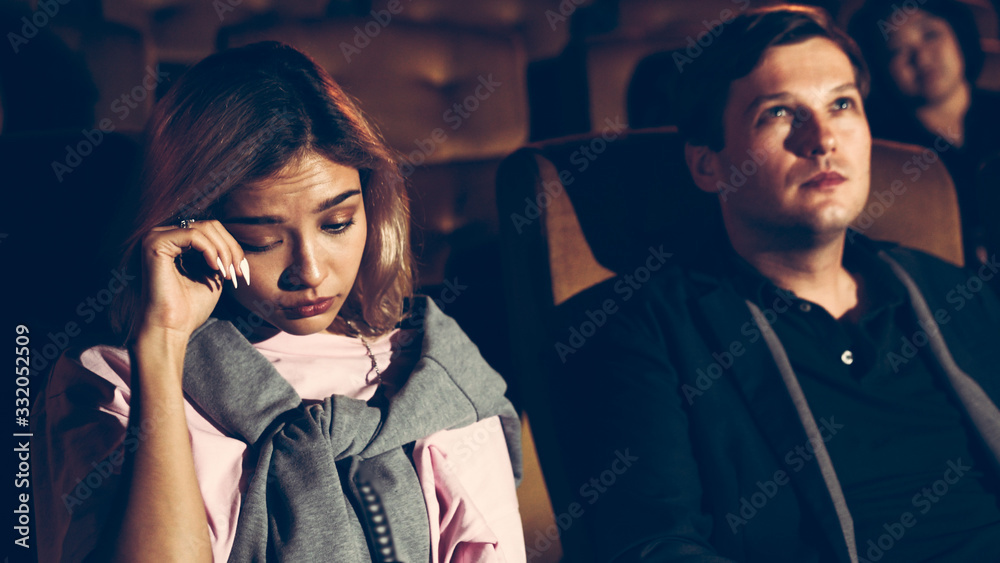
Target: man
(791,395)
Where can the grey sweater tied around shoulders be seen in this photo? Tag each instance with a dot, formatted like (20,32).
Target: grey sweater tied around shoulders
(302,502)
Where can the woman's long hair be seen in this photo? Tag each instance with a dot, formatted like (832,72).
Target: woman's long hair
(240,117)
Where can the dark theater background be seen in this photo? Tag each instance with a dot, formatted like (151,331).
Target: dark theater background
(455,86)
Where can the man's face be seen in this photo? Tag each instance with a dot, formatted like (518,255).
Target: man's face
(795,128)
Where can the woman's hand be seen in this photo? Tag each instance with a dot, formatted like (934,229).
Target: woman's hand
(184,272)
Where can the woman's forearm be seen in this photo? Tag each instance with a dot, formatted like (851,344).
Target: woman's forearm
(164,516)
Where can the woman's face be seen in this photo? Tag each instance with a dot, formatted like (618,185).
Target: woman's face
(303,233)
(925,59)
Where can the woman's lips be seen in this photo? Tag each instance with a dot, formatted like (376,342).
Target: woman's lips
(309,308)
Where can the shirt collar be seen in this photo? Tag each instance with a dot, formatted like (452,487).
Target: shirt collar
(859,256)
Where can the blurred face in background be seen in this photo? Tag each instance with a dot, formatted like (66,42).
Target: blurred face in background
(925,59)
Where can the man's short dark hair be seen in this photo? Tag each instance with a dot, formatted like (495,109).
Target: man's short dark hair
(736,50)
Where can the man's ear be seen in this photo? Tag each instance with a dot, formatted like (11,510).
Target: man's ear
(703,163)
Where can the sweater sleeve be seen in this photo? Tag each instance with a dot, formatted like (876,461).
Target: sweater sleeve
(79,427)
(468,485)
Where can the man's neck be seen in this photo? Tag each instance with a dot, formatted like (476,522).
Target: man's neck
(813,270)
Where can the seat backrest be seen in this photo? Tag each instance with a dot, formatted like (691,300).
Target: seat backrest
(597,217)
(438,94)
(578,210)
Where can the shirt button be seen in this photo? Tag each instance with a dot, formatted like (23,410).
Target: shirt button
(847,357)
(805,307)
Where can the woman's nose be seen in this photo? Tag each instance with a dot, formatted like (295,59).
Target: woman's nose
(307,269)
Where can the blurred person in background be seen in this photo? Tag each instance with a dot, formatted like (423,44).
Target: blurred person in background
(924,62)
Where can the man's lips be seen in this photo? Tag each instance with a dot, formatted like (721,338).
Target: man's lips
(824,180)
(305,309)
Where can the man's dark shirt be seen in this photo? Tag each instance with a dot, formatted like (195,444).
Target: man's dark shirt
(913,472)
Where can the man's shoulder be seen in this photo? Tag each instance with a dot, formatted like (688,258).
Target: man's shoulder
(913,260)
(670,287)
(944,284)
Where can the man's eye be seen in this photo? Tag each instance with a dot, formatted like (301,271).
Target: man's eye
(843,103)
(777,111)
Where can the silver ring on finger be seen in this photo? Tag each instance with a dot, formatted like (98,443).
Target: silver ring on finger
(186,223)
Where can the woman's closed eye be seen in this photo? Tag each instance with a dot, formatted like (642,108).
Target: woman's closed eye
(335,229)
(338,228)
(247,247)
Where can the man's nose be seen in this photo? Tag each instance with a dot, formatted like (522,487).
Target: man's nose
(813,134)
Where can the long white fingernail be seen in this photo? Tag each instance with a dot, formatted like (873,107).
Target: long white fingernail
(232,275)
(245,268)
(221,268)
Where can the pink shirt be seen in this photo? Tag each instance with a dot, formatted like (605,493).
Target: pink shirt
(465,473)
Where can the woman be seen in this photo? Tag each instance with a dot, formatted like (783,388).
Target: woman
(924,65)
(281,393)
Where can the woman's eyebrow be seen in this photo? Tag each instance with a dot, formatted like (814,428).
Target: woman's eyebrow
(336,200)
(256,220)
(276,220)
